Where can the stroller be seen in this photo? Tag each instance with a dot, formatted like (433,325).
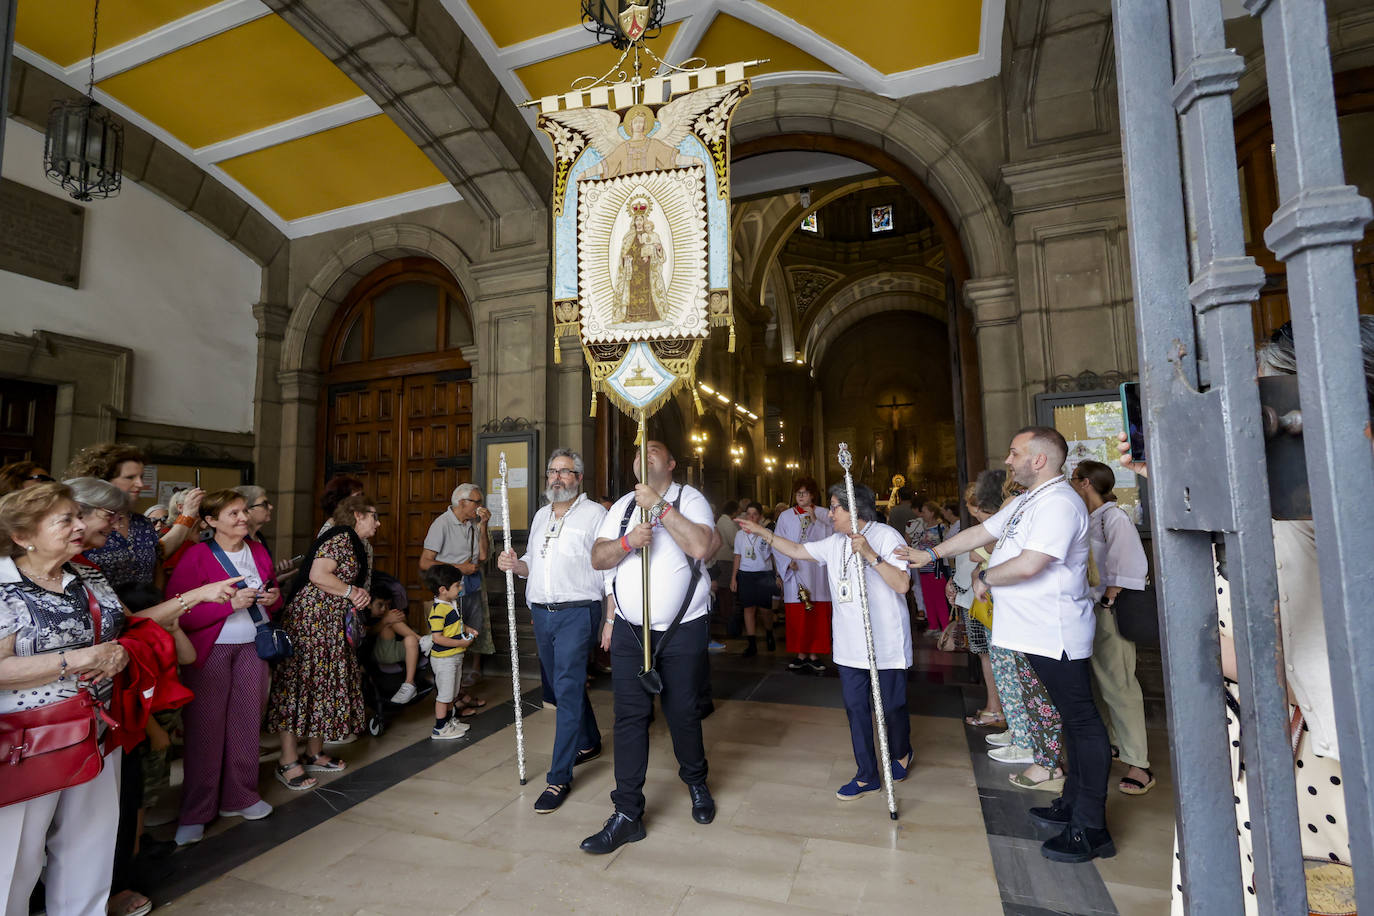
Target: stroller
(381,680)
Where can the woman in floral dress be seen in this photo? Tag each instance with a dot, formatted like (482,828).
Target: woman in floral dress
(318,691)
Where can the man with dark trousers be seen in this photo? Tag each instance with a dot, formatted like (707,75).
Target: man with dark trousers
(681,535)
(1038,576)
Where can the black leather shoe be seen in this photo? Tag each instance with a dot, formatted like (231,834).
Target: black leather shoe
(703,805)
(551,798)
(589,754)
(1055,815)
(618,831)
(1079,844)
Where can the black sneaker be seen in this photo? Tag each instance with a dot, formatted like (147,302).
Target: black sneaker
(1079,844)
(551,798)
(797,664)
(1055,815)
(817,667)
(618,831)
(750,650)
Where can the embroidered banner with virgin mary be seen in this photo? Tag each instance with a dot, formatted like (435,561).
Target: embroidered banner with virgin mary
(641,208)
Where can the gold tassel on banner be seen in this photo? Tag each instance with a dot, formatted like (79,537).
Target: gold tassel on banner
(558,356)
(696,398)
(639,433)
(732,337)
(593,412)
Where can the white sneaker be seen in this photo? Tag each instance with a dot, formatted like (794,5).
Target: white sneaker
(190,833)
(998,739)
(254,812)
(450,731)
(1012,754)
(404,695)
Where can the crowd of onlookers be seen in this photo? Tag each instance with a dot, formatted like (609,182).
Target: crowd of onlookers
(197,643)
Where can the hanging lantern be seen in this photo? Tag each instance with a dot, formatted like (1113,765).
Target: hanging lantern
(83,150)
(622,22)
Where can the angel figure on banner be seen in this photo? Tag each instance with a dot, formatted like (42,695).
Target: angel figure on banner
(640,291)
(640,152)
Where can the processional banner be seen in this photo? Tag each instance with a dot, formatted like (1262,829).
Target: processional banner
(641,209)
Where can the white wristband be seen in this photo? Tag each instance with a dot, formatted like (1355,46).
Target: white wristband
(349,594)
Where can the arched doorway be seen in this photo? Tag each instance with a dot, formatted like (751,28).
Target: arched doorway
(397,406)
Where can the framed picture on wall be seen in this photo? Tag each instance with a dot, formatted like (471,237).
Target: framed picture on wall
(525,475)
(1089,422)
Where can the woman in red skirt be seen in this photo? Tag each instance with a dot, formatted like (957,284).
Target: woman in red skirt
(808,624)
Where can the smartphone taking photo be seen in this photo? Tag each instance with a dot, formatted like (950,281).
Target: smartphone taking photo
(1133,419)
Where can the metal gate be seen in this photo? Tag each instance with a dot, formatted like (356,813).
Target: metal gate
(1194,288)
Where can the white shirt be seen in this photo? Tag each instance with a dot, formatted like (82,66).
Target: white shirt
(559,554)
(886,608)
(808,574)
(1116,549)
(669,570)
(1051,613)
(727,529)
(238,627)
(753,551)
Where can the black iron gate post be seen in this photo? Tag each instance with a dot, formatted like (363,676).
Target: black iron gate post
(1319,218)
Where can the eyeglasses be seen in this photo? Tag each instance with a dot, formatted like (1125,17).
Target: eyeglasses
(562,472)
(103,513)
(265,504)
(475,502)
(41,478)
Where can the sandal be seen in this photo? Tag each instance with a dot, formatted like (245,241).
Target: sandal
(469,700)
(1129,785)
(1048,784)
(299,783)
(128,903)
(985,719)
(313,763)
(467,712)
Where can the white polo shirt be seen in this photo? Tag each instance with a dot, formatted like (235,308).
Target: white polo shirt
(753,551)
(808,574)
(1051,613)
(559,554)
(669,570)
(886,608)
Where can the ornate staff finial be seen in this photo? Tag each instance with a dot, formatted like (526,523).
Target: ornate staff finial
(503,464)
(846,459)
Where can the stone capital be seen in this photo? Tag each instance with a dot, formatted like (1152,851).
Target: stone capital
(272,319)
(992,300)
(1056,181)
(299,385)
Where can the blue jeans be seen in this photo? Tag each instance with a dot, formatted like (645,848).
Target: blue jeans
(564,638)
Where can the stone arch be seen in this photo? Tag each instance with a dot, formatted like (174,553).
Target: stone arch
(312,315)
(908,291)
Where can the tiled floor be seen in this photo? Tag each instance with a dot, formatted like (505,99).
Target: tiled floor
(417,827)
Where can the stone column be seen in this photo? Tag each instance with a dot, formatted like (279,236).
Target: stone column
(993,302)
(267,408)
(295,483)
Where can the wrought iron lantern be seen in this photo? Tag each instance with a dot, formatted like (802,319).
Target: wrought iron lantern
(83,150)
(622,22)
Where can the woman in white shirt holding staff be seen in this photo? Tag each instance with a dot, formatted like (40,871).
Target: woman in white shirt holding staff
(874,550)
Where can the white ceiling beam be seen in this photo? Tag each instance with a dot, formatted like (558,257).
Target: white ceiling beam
(292,129)
(173,36)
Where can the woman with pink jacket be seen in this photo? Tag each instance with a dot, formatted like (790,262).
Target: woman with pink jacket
(229,680)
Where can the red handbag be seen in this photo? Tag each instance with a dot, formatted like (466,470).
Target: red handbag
(54,747)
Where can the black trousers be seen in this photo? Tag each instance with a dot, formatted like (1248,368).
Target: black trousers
(1069,684)
(681,666)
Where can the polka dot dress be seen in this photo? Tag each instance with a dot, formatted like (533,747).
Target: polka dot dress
(1321,797)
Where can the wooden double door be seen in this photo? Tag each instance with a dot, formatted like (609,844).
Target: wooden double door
(409,440)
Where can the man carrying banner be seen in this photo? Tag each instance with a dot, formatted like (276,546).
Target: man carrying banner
(565,598)
(680,535)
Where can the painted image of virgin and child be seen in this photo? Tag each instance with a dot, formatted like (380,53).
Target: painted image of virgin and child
(640,290)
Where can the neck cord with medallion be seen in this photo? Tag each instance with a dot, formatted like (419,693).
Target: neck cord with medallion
(1024,504)
(556,522)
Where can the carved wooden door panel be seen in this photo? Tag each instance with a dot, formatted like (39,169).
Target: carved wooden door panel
(363,440)
(26,421)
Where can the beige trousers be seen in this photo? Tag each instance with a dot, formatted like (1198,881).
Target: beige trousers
(1118,690)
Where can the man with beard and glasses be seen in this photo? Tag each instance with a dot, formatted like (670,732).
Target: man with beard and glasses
(1038,576)
(565,595)
(681,535)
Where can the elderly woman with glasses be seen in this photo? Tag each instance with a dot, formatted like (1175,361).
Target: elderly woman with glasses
(317,692)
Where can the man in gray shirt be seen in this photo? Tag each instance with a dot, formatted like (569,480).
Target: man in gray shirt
(459,538)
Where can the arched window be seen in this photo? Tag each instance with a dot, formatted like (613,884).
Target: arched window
(406,309)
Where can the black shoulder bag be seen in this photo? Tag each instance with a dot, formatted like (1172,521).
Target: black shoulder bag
(650,680)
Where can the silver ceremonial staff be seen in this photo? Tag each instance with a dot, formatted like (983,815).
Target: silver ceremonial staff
(514,647)
(884,760)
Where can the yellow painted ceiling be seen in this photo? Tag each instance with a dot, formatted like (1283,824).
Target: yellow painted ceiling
(729,39)
(509,22)
(352,164)
(60,30)
(550,77)
(892,35)
(258,74)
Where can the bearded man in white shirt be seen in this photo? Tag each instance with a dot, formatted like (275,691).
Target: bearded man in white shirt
(1038,576)
(681,535)
(565,599)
